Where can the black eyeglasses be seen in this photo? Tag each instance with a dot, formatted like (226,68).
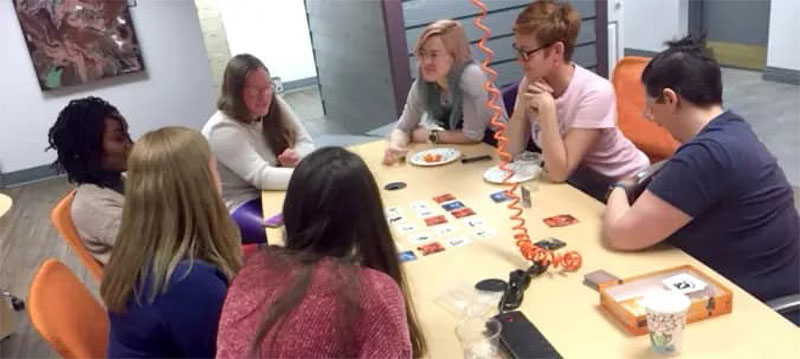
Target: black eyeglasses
(525,55)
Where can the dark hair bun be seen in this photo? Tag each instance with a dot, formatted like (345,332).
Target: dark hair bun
(688,44)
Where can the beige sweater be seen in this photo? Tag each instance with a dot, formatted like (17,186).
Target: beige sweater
(245,162)
(97,214)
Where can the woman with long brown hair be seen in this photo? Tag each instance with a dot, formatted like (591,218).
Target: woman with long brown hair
(447,101)
(175,252)
(257,139)
(336,290)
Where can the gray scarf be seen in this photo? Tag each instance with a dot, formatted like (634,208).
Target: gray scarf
(431,95)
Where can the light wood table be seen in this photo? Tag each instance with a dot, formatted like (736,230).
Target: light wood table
(565,311)
(7,316)
(5,204)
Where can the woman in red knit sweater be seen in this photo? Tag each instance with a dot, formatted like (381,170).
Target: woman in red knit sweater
(335,290)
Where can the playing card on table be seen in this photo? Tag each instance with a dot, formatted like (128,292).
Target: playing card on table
(407,256)
(459,241)
(684,283)
(444,230)
(395,219)
(449,206)
(499,196)
(426,212)
(421,237)
(462,212)
(443,198)
(432,221)
(420,205)
(484,232)
(430,248)
(406,227)
(475,222)
(560,220)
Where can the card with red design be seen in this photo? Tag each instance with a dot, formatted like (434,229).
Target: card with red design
(432,221)
(463,212)
(443,198)
(560,221)
(430,248)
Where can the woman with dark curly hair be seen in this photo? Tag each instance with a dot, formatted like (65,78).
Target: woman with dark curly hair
(92,142)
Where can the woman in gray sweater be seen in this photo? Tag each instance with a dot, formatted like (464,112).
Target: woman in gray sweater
(257,140)
(448,92)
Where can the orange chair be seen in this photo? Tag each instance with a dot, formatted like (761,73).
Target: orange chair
(62,219)
(66,314)
(655,141)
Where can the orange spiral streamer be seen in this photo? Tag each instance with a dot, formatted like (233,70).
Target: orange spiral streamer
(569,261)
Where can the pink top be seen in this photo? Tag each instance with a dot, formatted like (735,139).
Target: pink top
(589,102)
(311,330)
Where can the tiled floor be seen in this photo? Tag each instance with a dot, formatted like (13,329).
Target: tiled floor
(773,109)
(308,106)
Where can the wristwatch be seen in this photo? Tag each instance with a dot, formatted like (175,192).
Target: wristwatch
(615,185)
(433,136)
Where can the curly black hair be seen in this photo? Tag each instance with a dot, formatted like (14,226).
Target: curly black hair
(77,137)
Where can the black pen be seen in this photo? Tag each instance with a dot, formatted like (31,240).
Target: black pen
(475,159)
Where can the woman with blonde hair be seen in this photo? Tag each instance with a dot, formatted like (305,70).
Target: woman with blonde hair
(448,91)
(568,111)
(257,139)
(176,251)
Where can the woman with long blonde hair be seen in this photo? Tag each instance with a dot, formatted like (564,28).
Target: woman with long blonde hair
(176,251)
(448,91)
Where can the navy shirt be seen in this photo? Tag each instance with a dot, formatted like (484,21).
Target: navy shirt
(745,225)
(180,323)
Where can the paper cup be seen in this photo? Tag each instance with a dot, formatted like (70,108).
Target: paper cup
(666,320)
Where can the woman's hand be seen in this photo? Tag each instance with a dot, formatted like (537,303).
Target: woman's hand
(539,97)
(420,134)
(394,153)
(289,158)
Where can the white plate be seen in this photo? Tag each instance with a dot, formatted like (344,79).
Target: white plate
(495,175)
(448,155)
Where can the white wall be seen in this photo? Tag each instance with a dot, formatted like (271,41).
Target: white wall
(648,23)
(616,33)
(176,90)
(275,31)
(784,26)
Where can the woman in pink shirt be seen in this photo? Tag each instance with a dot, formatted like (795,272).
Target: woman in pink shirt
(335,290)
(568,111)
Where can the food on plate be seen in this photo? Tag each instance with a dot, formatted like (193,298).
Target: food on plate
(432,157)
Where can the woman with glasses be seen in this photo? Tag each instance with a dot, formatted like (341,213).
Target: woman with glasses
(447,102)
(568,111)
(257,140)
(722,197)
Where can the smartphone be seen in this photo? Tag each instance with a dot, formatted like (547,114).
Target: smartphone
(274,221)
(522,339)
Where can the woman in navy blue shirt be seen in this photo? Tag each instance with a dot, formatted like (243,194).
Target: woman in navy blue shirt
(176,251)
(722,198)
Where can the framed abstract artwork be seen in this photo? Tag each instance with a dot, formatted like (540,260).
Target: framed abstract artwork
(73,42)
